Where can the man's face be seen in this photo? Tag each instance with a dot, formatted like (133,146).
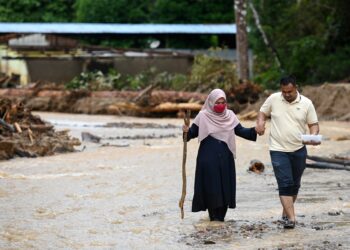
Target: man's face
(289,92)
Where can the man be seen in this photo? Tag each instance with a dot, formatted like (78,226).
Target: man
(290,112)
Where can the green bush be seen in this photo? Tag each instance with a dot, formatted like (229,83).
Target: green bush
(95,81)
(210,72)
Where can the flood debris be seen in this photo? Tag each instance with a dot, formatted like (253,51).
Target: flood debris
(225,232)
(121,145)
(335,212)
(331,101)
(256,166)
(142,137)
(86,136)
(250,115)
(139,125)
(25,135)
(335,162)
(148,102)
(322,226)
(8,81)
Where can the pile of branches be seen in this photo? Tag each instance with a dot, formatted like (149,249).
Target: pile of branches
(147,102)
(26,135)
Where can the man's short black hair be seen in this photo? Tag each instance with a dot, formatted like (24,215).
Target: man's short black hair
(287,80)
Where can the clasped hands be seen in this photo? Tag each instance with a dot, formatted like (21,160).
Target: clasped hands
(260,129)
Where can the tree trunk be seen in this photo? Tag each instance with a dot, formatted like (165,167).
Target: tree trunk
(264,36)
(241,39)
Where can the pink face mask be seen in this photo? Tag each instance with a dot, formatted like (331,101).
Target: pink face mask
(219,108)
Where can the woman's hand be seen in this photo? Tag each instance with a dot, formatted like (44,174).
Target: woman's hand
(185,128)
(260,129)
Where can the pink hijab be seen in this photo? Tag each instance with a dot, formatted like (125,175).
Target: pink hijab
(218,125)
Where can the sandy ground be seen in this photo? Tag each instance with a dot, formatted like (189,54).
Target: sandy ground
(125,196)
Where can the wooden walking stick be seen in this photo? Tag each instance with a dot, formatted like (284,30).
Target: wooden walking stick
(184,155)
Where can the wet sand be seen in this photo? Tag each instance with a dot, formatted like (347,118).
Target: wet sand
(125,196)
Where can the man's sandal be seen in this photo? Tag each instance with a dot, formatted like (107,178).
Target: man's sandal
(288,224)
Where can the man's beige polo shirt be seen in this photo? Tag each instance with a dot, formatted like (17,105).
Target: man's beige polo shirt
(288,121)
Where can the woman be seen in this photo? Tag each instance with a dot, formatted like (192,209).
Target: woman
(215,179)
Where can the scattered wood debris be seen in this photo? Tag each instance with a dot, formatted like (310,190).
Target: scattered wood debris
(86,136)
(148,102)
(251,115)
(25,135)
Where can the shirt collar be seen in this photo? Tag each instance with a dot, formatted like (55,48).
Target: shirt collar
(295,101)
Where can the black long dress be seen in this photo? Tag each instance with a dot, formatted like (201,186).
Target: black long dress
(215,178)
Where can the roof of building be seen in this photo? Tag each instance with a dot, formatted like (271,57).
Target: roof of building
(116,28)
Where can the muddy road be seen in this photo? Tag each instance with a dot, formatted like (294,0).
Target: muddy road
(123,193)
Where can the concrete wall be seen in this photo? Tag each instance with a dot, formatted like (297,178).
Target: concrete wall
(134,65)
(16,67)
(63,70)
(54,70)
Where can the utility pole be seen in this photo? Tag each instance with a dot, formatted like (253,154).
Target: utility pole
(240,7)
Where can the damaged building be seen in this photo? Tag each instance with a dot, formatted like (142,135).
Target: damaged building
(52,52)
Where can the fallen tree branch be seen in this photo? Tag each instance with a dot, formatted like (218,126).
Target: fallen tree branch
(6,125)
(328,160)
(326,165)
(145,93)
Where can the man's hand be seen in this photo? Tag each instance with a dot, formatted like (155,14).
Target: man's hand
(313,143)
(314,128)
(260,123)
(260,129)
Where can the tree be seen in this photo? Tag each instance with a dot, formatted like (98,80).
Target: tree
(241,39)
(311,38)
(160,11)
(37,11)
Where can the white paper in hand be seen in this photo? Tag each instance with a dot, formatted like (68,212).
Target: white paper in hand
(308,138)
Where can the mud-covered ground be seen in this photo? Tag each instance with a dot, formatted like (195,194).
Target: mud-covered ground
(123,193)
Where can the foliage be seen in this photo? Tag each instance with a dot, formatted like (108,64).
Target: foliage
(158,11)
(207,73)
(111,11)
(308,35)
(334,67)
(97,81)
(210,72)
(311,37)
(37,10)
